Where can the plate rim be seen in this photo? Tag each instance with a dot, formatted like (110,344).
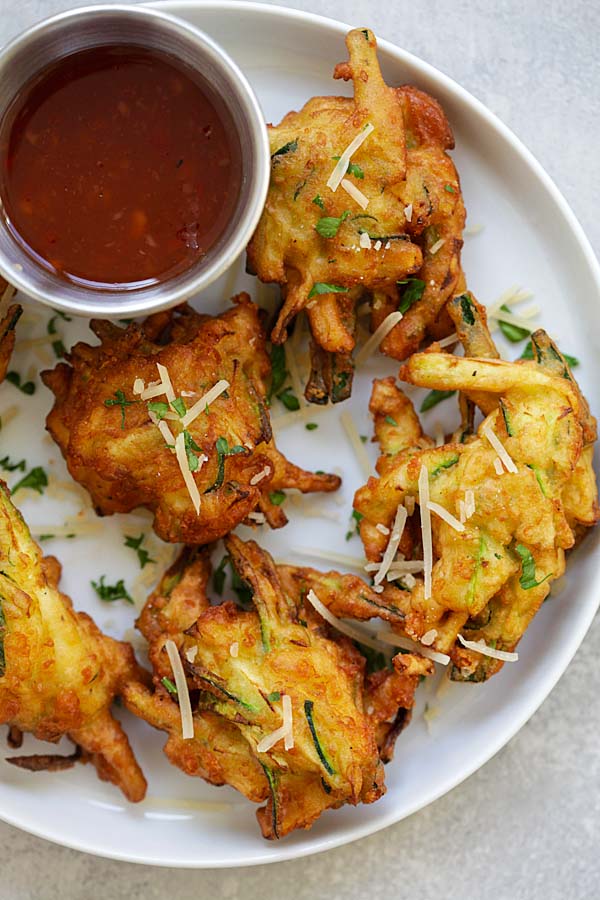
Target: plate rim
(282,852)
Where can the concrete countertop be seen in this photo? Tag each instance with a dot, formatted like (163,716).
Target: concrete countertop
(527,825)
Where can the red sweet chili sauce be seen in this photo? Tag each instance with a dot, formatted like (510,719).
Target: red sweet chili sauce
(118,168)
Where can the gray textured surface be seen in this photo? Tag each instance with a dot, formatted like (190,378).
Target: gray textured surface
(528,824)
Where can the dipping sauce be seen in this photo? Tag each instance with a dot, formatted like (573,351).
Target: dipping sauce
(118,168)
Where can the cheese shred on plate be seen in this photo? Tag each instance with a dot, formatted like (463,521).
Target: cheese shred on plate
(200,405)
(482,647)
(341,167)
(356,443)
(185,707)
(445,515)
(184,465)
(166,382)
(378,335)
(356,195)
(284,732)
(393,544)
(354,633)
(499,447)
(426,530)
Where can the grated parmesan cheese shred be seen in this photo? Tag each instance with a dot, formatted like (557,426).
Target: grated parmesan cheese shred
(378,336)
(445,515)
(393,544)
(437,246)
(481,647)
(390,637)
(356,195)
(356,443)
(166,382)
(284,732)
(507,460)
(188,477)
(354,633)
(426,531)
(204,401)
(408,212)
(341,167)
(183,695)
(256,479)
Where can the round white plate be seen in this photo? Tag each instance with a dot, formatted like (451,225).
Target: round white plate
(530,238)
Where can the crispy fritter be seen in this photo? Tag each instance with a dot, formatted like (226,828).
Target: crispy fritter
(310,235)
(7,327)
(239,665)
(115,450)
(58,673)
(488,580)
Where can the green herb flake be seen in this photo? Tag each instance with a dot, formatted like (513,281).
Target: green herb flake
(274,697)
(413,291)
(178,405)
(159,408)
(277,497)
(391,421)
(111,592)
(166,682)
(449,189)
(328,226)
(512,333)
(289,399)
(355,170)
(223,451)
(290,147)
(278,369)
(355,519)
(322,287)
(26,387)
(36,479)
(528,579)
(120,400)
(136,544)
(363,438)
(318,202)
(434,397)
(190,446)
(9,466)
(311,426)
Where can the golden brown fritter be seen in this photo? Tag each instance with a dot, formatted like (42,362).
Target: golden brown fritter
(7,326)
(111,440)
(492,573)
(309,237)
(58,673)
(240,666)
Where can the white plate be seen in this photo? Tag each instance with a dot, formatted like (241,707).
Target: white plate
(530,238)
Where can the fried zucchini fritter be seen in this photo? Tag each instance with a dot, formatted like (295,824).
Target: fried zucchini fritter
(10,317)
(242,664)
(58,673)
(112,442)
(492,572)
(311,238)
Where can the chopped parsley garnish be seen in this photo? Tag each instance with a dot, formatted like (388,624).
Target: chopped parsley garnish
(277,497)
(278,369)
(390,420)
(159,408)
(449,188)
(355,519)
(273,697)
(413,291)
(310,426)
(290,147)
(434,397)
(321,287)
(111,592)
(318,202)
(36,479)
(136,544)
(57,345)
(328,226)
(528,579)
(363,438)
(26,387)
(571,361)
(122,402)
(223,451)
(289,399)
(178,405)
(166,682)
(9,466)
(191,446)
(354,169)
(513,333)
